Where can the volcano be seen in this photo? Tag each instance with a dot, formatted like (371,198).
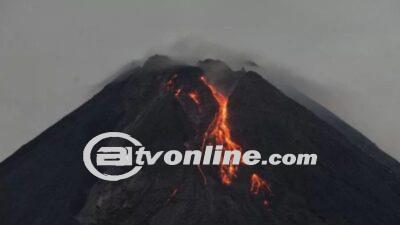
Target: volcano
(168,104)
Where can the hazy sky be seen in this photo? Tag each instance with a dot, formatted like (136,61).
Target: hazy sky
(54,54)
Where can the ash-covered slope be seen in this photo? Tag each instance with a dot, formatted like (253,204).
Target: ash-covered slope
(45,182)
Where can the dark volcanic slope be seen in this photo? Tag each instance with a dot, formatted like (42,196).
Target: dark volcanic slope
(45,182)
(346,187)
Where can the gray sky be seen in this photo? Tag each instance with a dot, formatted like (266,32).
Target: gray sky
(53,53)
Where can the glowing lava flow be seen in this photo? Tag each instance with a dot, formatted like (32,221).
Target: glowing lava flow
(177,92)
(195,97)
(258,185)
(220,133)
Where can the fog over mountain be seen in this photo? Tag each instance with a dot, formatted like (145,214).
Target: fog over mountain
(343,54)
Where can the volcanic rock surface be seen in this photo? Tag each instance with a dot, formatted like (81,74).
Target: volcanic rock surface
(170,105)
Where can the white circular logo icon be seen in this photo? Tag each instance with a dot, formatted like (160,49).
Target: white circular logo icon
(111,156)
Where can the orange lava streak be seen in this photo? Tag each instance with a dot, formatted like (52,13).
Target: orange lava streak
(257,184)
(177,92)
(170,82)
(220,132)
(195,97)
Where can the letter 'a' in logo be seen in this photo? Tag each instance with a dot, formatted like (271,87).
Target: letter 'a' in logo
(111,156)
(114,156)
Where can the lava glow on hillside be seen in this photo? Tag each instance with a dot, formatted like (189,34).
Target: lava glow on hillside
(219,133)
(195,97)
